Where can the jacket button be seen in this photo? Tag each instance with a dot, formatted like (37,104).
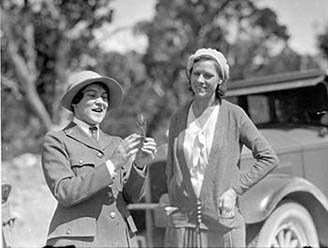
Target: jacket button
(100,154)
(68,231)
(112,215)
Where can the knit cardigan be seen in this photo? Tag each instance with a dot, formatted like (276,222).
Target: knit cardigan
(233,129)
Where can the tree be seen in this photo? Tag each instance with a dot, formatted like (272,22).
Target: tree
(41,41)
(323,42)
(287,60)
(240,29)
(129,71)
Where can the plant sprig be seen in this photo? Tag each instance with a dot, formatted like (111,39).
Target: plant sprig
(142,125)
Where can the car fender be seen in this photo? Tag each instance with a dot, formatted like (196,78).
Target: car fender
(259,202)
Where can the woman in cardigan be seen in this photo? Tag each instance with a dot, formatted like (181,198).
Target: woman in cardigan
(203,165)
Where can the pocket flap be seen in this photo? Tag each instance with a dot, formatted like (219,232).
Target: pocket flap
(81,227)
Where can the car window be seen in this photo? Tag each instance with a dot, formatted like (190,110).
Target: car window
(298,106)
(259,109)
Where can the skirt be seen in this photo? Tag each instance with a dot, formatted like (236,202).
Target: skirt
(190,237)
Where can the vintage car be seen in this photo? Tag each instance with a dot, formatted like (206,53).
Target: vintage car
(289,207)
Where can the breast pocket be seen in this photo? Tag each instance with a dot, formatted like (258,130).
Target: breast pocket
(81,167)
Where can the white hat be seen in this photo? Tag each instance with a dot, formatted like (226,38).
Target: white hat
(79,80)
(216,55)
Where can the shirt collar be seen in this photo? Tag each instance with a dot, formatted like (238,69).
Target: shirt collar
(84,126)
(192,122)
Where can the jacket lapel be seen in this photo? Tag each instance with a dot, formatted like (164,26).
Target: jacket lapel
(104,139)
(75,132)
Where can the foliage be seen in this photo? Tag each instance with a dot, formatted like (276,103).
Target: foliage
(44,40)
(287,60)
(323,42)
(141,94)
(240,29)
(41,42)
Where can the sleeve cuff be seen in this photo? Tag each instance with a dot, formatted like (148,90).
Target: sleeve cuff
(111,168)
(238,190)
(140,171)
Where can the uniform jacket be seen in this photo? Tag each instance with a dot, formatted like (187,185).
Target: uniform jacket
(233,129)
(88,198)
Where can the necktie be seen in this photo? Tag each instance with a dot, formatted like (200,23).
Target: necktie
(94,132)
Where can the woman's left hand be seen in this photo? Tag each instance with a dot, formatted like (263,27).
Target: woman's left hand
(227,203)
(146,152)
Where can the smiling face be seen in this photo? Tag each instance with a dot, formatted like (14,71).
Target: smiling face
(204,79)
(93,106)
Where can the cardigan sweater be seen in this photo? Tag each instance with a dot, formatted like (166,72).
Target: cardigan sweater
(233,129)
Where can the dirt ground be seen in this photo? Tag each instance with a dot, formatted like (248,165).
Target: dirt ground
(30,201)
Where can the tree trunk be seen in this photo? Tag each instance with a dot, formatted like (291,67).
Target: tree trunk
(25,69)
(28,80)
(61,71)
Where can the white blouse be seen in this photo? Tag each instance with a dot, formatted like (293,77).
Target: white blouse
(198,143)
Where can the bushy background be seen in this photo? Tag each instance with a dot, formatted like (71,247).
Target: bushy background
(42,41)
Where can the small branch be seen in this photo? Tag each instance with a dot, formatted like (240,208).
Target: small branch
(26,78)
(13,86)
(223,6)
(30,49)
(60,72)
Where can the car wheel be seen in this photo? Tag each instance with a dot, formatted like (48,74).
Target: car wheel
(290,225)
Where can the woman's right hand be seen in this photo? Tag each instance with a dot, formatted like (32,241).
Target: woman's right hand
(227,204)
(125,150)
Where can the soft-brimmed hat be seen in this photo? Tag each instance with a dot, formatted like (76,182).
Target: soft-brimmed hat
(213,53)
(78,80)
